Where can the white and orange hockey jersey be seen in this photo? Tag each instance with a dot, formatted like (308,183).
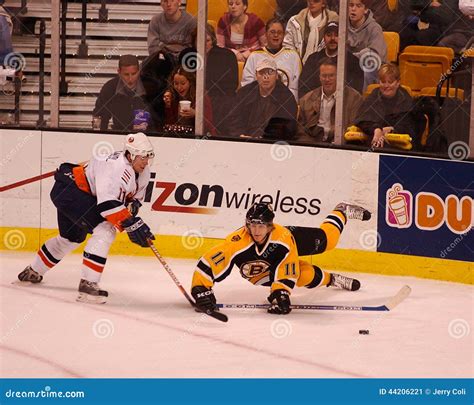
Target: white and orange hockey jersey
(114,182)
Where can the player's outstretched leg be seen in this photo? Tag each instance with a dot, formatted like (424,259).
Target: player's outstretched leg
(352,211)
(346,283)
(30,275)
(90,292)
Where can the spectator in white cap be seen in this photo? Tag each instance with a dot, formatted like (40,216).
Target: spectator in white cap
(265,107)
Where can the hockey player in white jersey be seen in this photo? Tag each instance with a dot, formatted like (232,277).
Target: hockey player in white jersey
(99,198)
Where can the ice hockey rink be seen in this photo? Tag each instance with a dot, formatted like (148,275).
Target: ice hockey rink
(147,329)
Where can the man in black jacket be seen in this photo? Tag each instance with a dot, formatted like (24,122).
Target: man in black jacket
(265,107)
(309,79)
(122,100)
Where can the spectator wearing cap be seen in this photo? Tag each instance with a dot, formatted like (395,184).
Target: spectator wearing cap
(170,31)
(287,60)
(122,99)
(309,79)
(265,107)
(316,120)
(304,31)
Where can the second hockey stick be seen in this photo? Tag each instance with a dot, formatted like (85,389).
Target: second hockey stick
(403,293)
(215,314)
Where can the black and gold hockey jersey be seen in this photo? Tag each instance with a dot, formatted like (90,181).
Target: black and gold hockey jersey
(275,265)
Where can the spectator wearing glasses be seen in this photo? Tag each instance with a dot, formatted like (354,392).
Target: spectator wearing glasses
(287,60)
(316,120)
(265,107)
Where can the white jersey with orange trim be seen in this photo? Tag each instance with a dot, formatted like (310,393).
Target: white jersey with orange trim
(114,182)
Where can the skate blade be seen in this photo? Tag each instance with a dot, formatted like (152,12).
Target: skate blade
(91,299)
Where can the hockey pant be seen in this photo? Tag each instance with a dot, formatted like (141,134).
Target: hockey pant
(313,241)
(77,216)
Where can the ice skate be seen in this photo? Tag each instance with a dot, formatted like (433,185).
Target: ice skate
(30,275)
(89,292)
(352,211)
(346,283)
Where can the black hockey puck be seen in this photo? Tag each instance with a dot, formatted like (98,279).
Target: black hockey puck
(363,332)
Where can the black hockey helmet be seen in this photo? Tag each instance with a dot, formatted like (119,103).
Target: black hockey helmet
(260,213)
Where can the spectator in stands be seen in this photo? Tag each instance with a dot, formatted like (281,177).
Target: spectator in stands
(265,107)
(427,23)
(390,15)
(222,80)
(309,79)
(288,8)
(317,108)
(389,108)
(171,30)
(304,32)
(365,40)
(122,99)
(182,87)
(461,28)
(467,8)
(287,60)
(240,31)
(6,27)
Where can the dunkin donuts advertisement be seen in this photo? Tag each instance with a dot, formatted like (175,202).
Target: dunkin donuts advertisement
(426,207)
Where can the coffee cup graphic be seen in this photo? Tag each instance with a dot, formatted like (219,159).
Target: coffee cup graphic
(398,207)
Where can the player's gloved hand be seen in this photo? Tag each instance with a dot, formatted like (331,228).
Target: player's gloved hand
(137,231)
(204,297)
(280,300)
(133,207)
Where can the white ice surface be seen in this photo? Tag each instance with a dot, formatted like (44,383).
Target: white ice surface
(147,329)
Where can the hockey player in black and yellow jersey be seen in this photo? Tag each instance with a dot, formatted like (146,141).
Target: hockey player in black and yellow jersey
(267,254)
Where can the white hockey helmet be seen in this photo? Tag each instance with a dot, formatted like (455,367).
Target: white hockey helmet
(138,145)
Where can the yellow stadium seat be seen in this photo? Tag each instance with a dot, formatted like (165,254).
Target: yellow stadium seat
(265,9)
(213,23)
(392,5)
(422,70)
(453,92)
(430,50)
(392,39)
(241,70)
(372,87)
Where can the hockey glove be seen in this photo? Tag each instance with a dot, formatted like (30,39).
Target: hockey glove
(137,231)
(134,206)
(280,300)
(204,297)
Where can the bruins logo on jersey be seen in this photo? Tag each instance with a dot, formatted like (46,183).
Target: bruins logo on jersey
(236,238)
(255,271)
(284,77)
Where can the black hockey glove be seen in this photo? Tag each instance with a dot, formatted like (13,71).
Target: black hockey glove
(204,297)
(133,207)
(137,231)
(280,300)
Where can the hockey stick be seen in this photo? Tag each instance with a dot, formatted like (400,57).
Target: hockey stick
(392,303)
(215,314)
